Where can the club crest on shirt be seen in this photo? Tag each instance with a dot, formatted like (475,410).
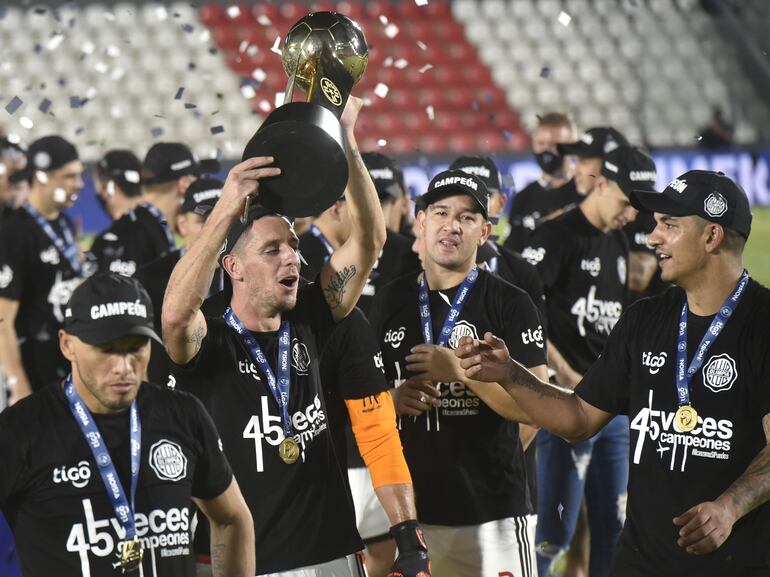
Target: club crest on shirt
(6,276)
(168,461)
(622,270)
(719,373)
(300,358)
(460,330)
(50,256)
(123,267)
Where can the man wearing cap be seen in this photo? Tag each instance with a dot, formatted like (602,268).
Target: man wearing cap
(256,369)
(554,188)
(40,265)
(117,183)
(147,232)
(582,258)
(690,369)
(13,191)
(99,469)
(462,448)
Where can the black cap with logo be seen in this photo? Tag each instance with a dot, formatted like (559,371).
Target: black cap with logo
(387,177)
(594,143)
(109,306)
(47,153)
(630,168)
(124,168)
(240,226)
(482,167)
(710,195)
(201,196)
(167,161)
(451,182)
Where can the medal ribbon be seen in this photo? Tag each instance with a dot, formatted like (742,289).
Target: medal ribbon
(684,374)
(66,246)
(316,232)
(153,210)
(278,387)
(454,310)
(124,512)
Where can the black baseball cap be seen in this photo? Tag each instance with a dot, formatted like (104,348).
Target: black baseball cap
(594,143)
(710,195)
(482,167)
(201,196)
(387,177)
(167,161)
(240,226)
(46,154)
(451,182)
(630,168)
(124,168)
(109,306)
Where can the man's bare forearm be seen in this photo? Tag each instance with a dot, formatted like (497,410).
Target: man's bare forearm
(367,222)
(232,549)
(398,502)
(499,400)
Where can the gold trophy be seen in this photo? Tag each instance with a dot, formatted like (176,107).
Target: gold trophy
(324,54)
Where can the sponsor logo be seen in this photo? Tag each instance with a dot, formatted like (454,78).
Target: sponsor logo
(6,276)
(529,222)
(50,256)
(654,362)
(600,313)
(622,270)
(378,362)
(715,205)
(171,384)
(678,185)
(533,255)
(207,194)
(119,308)
(123,267)
(460,330)
(533,337)
(78,476)
(710,439)
(642,175)
(720,373)
(451,180)
(482,171)
(382,174)
(110,236)
(592,267)
(248,368)
(395,337)
(60,294)
(611,167)
(300,358)
(182,164)
(168,460)
(331,91)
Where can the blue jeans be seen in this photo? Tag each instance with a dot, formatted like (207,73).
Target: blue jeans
(598,467)
(9,565)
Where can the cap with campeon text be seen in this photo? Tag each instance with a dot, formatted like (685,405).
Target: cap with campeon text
(482,167)
(704,193)
(630,168)
(387,177)
(452,182)
(201,196)
(167,161)
(109,306)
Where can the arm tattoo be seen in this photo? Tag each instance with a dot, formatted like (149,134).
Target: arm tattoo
(218,559)
(335,290)
(196,337)
(523,378)
(752,489)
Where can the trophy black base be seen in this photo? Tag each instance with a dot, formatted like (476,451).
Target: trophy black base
(306,141)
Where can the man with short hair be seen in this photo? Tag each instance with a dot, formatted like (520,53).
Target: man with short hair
(554,189)
(99,471)
(146,232)
(462,447)
(690,368)
(118,182)
(40,265)
(13,191)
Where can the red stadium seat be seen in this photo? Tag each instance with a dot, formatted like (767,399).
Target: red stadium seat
(212,14)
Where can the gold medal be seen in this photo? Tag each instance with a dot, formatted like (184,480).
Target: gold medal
(686,418)
(288,450)
(131,555)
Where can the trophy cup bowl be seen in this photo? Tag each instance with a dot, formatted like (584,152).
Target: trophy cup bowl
(324,54)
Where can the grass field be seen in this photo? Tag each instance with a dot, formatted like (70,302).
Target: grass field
(758,248)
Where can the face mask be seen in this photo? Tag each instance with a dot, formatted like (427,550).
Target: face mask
(549,162)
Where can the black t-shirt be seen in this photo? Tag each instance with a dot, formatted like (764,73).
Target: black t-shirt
(306,502)
(34,273)
(670,472)
(466,461)
(134,240)
(532,204)
(638,236)
(55,500)
(351,368)
(584,273)
(513,268)
(396,260)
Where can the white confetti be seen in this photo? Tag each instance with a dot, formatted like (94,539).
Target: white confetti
(88,48)
(252,50)
(113,51)
(381,90)
(41,176)
(109,16)
(367,101)
(233,11)
(26,122)
(3,169)
(13,138)
(264,20)
(91,92)
(401,63)
(276,45)
(54,42)
(259,75)
(425,68)
(382,142)
(421,45)
(421,2)
(383,19)
(248,91)
(161,13)
(279,96)
(204,36)
(117,74)
(391,30)
(101,67)
(430,112)
(564,18)
(116,112)
(264,106)
(388,62)
(244,45)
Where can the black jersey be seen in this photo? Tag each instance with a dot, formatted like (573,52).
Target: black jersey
(670,471)
(134,240)
(306,502)
(532,204)
(58,507)
(584,274)
(396,260)
(34,273)
(638,236)
(466,461)
(513,268)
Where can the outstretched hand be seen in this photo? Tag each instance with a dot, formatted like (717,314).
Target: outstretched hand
(434,363)
(487,361)
(704,527)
